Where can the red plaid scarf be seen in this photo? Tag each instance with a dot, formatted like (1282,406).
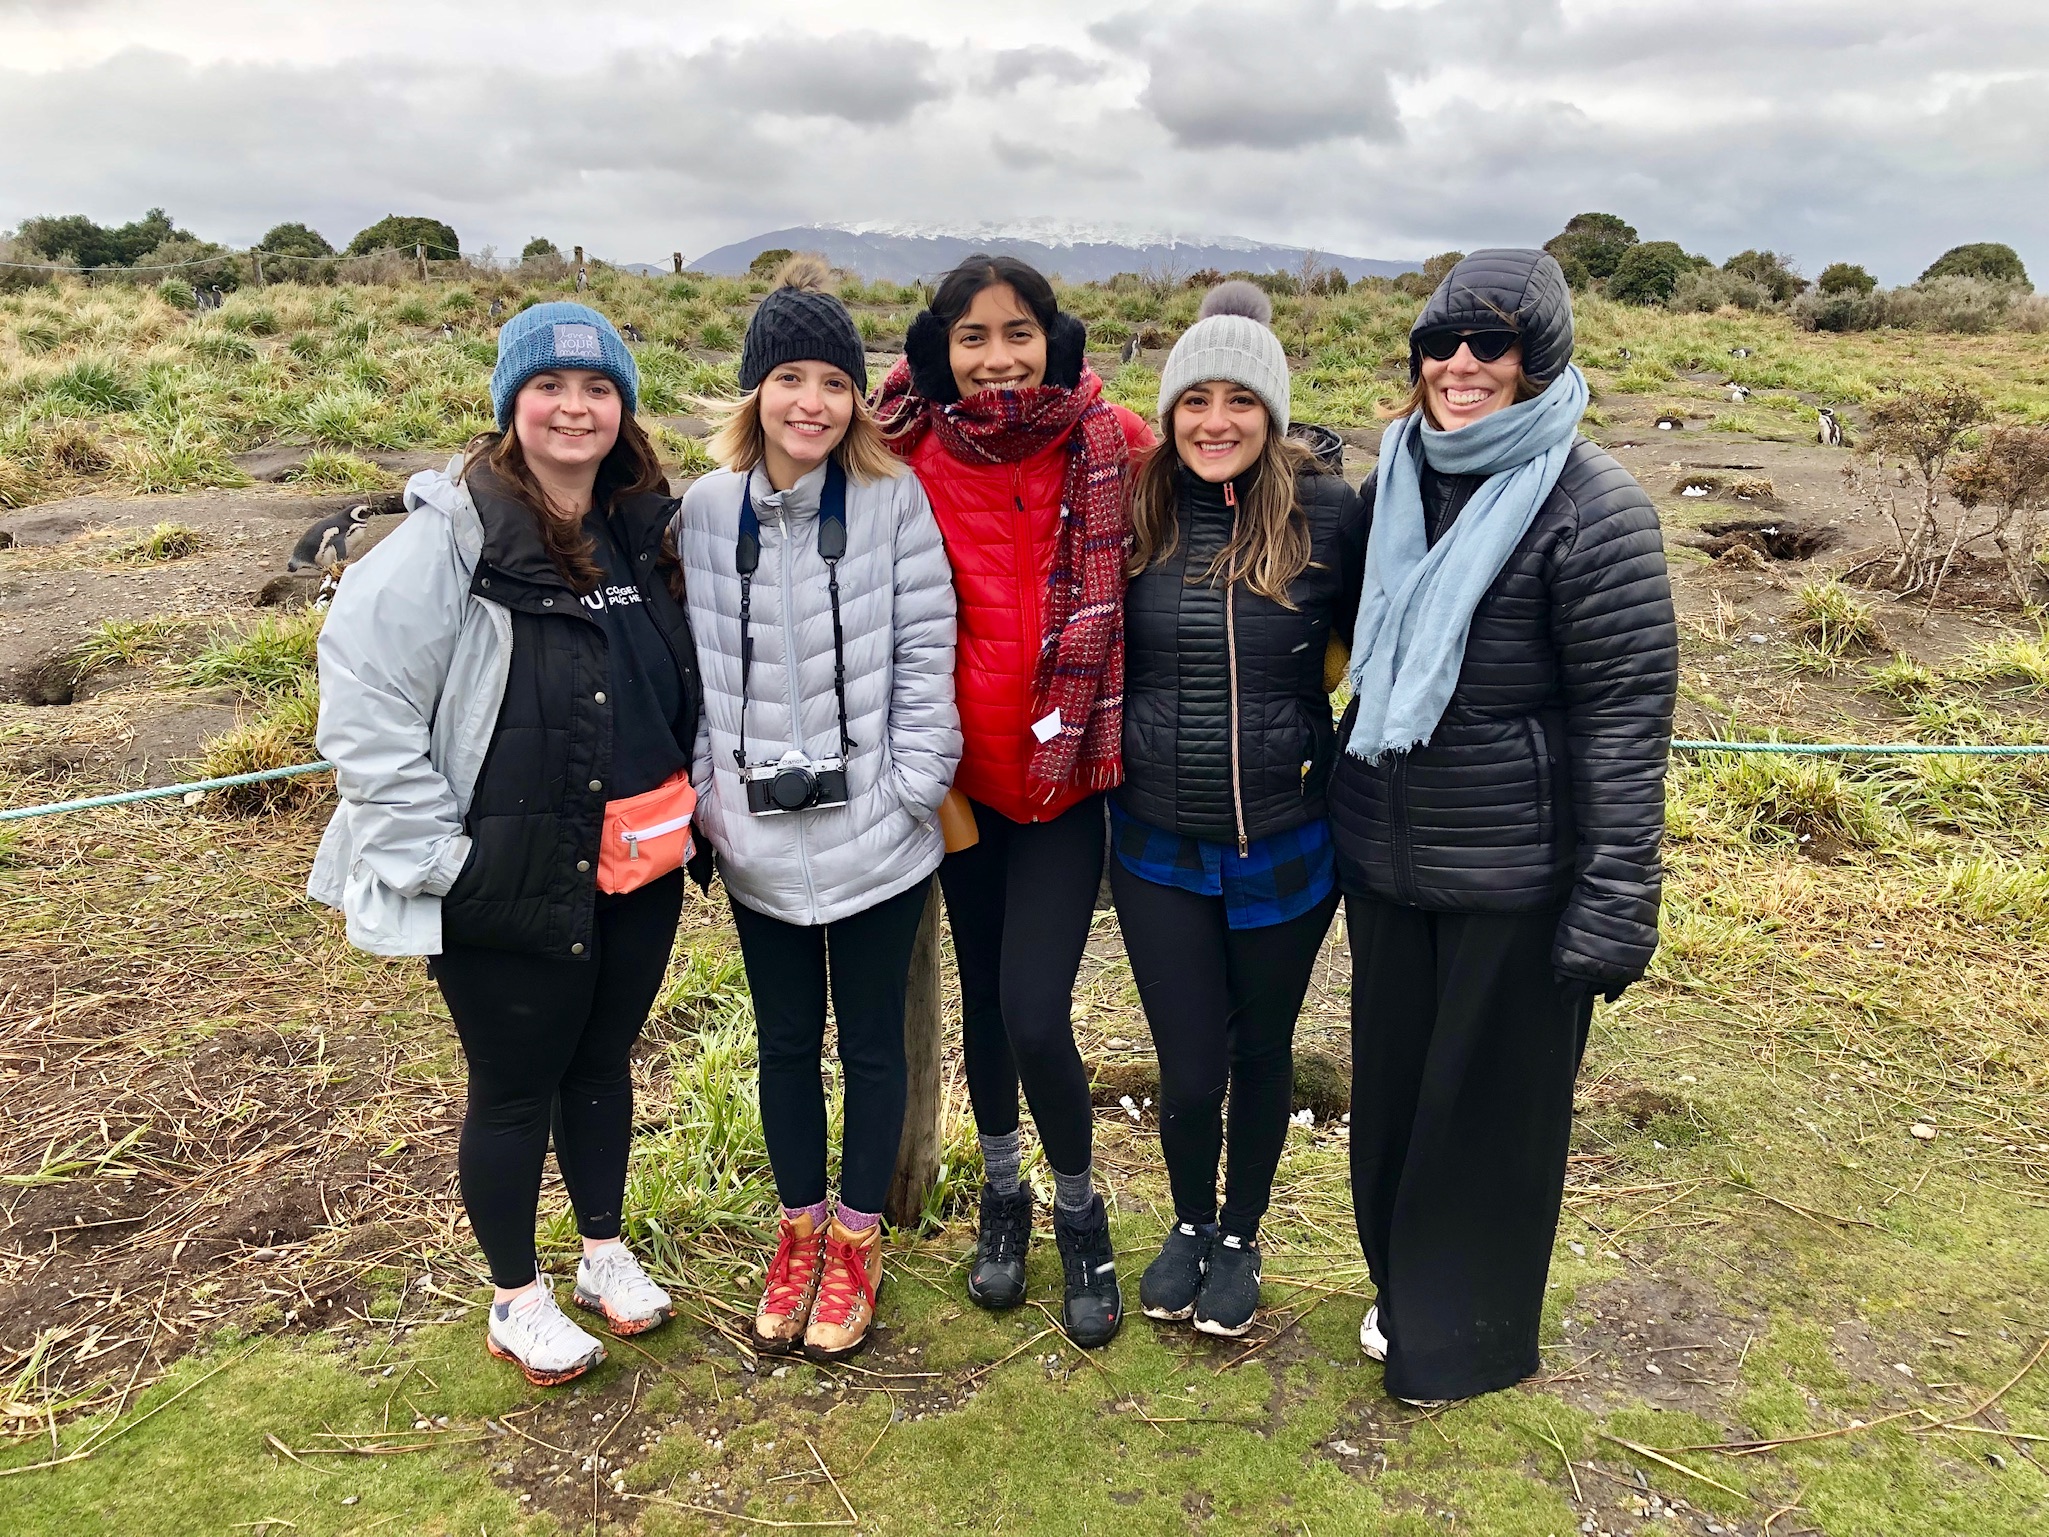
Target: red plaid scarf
(1081,654)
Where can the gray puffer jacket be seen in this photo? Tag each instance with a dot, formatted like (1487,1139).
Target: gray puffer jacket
(412,672)
(897,614)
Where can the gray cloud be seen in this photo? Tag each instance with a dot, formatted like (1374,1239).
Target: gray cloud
(1879,131)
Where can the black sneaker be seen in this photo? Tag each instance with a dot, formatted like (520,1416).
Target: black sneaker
(1168,1288)
(1094,1309)
(997,1278)
(1230,1288)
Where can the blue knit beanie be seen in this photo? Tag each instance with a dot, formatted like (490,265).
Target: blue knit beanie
(559,336)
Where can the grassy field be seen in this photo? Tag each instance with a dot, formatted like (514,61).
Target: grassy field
(1799,1286)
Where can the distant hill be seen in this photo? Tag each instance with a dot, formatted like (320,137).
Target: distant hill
(1079,253)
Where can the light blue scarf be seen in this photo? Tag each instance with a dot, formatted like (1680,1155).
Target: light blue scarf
(1417,604)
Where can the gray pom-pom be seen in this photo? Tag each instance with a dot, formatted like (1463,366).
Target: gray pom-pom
(1238,297)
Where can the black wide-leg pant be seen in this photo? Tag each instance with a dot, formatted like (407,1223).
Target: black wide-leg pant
(1464,1052)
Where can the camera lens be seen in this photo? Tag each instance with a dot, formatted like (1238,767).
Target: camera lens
(792,788)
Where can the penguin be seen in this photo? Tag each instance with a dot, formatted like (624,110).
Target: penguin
(497,308)
(583,279)
(448,329)
(1128,351)
(1623,353)
(1738,393)
(1739,352)
(631,332)
(218,297)
(1830,432)
(326,544)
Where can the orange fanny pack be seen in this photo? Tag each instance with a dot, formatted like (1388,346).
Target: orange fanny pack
(646,836)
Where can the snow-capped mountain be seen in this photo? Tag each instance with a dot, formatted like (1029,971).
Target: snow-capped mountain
(908,252)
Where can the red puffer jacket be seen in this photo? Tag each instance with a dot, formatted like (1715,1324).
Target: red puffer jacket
(999,522)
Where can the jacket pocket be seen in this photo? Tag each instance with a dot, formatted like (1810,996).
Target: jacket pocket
(1540,750)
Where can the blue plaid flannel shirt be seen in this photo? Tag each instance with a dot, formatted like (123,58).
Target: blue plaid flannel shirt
(1281,876)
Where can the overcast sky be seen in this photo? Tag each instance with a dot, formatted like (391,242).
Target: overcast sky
(1879,131)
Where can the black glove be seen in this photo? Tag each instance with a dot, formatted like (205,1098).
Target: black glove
(701,865)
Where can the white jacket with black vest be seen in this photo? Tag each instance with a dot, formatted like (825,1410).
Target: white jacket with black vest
(896,605)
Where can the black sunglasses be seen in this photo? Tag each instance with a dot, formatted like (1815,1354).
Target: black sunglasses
(1442,344)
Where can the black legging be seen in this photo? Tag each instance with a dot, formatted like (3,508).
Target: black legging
(1464,1051)
(1221,1004)
(549,1038)
(788,976)
(1019,904)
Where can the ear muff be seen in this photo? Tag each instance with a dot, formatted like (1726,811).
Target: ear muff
(925,350)
(1066,351)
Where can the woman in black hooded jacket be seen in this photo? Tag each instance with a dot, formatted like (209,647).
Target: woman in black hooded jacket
(1498,813)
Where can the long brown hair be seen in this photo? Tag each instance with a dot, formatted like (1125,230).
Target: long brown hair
(1269,546)
(630,469)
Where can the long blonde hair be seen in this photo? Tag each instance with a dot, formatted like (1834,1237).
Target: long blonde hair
(1269,546)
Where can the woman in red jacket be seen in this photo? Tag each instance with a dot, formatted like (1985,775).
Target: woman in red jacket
(996,409)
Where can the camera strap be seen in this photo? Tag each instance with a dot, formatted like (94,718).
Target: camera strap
(832,544)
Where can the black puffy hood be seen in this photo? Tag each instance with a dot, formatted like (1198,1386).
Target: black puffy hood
(1525,288)
(925,347)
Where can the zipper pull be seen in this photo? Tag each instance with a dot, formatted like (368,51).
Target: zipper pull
(632,845)
(1230,494)
(1244,849)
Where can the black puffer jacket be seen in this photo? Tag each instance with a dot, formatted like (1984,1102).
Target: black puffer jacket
(1543,784)
(1178,674)
(531,879)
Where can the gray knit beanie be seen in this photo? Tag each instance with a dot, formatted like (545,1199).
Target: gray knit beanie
(1230,340)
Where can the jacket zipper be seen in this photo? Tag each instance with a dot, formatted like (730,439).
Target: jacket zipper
(783,560)
(1541,749)
(1398,806)
(1027,564)
(1231,659)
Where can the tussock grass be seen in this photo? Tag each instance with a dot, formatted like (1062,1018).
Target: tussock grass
(277,655)
(1767,798)
(166,541)
(1830,624)
(127,643)
(336,470)
(278,735)
(2013,659)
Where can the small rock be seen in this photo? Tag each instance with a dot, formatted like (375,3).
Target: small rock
(1117,1043)
(1921,1131)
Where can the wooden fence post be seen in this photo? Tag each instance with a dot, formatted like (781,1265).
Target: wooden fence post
(917,1154)
(421,252)
(257,256)
(678,259)
(579,256)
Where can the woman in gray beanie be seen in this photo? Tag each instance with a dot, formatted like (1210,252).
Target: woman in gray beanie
(508,690)
(1498,813)
(1246,562)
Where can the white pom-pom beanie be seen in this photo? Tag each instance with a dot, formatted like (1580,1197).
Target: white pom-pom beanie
(1230,341)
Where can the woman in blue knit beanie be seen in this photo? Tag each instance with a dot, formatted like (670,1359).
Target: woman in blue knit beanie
(508,691)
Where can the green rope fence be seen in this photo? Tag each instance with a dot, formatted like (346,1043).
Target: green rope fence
(199,787)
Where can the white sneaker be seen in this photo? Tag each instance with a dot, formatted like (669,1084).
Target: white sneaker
(1371,1340)
(539,1338)
(610,1281)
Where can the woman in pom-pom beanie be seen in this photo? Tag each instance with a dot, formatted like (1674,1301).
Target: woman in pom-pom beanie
(997,410)
(823,607)
(1498,813)
(1246,561)
(506,684)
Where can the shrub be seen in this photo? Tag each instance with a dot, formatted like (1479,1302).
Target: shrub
(395,232)
(1705,291)
(1843,310)
(2008,476)
(1845,278)
(1648,273)
(765,264)
(1969,305)
(540,245)
(294,240)
(1592,243)
(76,238)
(1767,270)
(1987,259)
(1421,285)
(1918,429)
